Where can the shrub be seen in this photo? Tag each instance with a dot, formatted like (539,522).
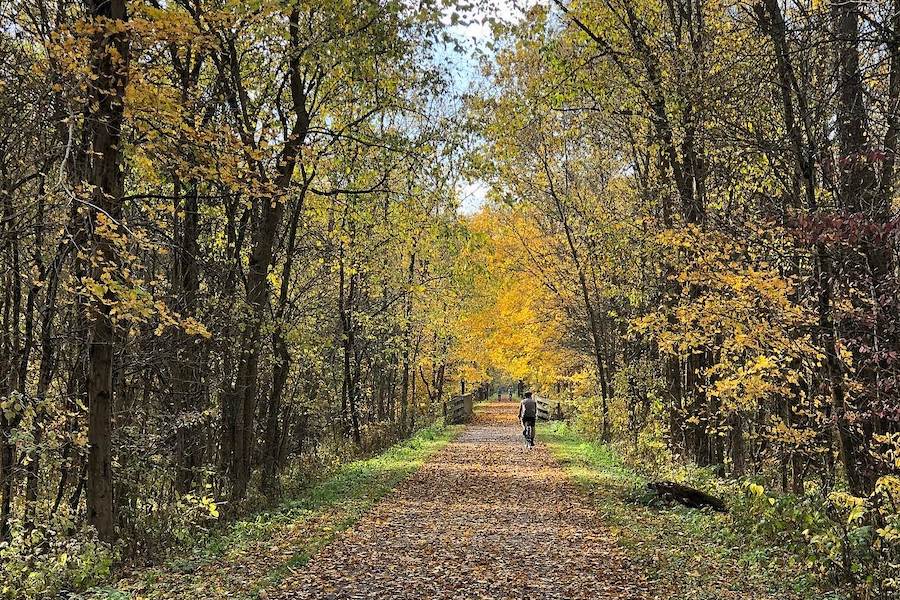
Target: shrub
(849,541)
(46,562)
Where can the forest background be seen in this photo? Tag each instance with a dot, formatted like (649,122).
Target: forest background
(234,256)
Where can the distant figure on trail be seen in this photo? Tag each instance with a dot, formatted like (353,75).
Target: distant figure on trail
(527,417)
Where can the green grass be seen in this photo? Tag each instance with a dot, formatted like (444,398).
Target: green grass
(684,553)
(253,554)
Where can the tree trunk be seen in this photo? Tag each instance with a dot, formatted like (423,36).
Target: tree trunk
(109,51)
(11,349)
(273,434)
(263,236)
(736,445)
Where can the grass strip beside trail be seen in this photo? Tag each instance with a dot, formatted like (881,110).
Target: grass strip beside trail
(254,553)
(685,553)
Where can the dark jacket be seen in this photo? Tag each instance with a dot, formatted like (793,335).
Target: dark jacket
(528,409)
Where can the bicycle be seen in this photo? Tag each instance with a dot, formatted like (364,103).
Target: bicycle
(528,434)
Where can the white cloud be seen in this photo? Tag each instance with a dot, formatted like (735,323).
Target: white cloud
(472,196)
(474,24)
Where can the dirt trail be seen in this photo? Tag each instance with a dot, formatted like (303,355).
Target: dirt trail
(482,519)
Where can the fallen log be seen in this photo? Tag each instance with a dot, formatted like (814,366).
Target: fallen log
(687,495)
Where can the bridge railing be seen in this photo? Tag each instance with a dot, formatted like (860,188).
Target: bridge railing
(460,408)
(548,409)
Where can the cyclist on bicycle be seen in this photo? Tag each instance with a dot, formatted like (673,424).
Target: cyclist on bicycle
(527,416)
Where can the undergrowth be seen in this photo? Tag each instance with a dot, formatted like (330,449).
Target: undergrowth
(685,553)
(242,558)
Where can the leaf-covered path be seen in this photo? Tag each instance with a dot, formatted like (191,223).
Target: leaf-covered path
(482,519)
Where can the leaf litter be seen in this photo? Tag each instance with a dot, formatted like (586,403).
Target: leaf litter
(484,518)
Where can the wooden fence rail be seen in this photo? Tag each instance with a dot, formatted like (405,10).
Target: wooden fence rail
(460,408)
(548,409)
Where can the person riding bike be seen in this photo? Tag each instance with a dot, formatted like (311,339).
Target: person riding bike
(527,417)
